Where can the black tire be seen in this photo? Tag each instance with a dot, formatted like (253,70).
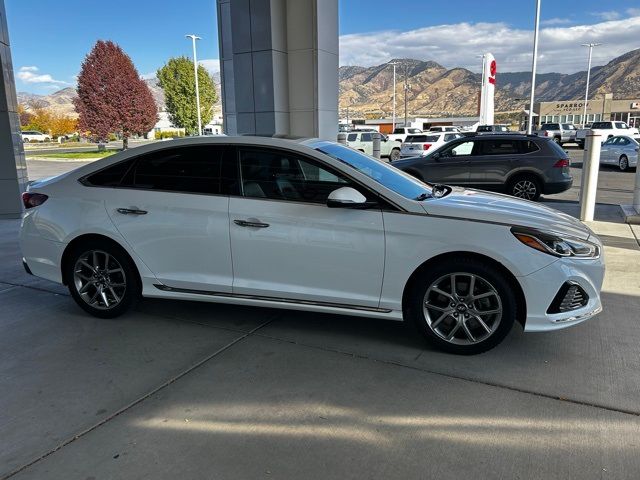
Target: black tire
(394,155)
(526,187)
(113,256)
(623,163)
(580,145)
(463,267)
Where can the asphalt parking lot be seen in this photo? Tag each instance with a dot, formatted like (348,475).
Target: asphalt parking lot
(196,390)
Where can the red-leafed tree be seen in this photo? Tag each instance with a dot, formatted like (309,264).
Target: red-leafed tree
(111,95)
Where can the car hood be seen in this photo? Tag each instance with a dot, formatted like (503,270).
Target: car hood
(477,205)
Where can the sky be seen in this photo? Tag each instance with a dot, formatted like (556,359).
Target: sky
(49,40)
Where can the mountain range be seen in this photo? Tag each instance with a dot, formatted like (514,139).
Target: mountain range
(434,90)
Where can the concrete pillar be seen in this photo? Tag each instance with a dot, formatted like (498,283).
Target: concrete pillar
(13,166)
(279,67)
(590,169)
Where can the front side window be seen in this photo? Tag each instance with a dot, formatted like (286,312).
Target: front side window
(459,149)
(398,131)
(351,137)
(451,136)
(192,169)
(277,175)
(365,137)
(602,125)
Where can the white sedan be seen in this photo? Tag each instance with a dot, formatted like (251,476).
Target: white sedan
(621,151)
(309,225)
(421,144)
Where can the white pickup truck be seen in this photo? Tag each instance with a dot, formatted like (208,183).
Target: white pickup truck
(607,130)
(400,133)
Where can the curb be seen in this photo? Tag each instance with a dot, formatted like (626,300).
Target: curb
(630,214)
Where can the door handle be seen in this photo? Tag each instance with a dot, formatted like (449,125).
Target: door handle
(246,223)
(131,211)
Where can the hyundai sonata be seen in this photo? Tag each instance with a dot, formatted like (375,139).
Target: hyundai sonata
(309,225)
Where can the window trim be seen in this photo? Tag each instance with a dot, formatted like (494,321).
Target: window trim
(84,180)
(385,205)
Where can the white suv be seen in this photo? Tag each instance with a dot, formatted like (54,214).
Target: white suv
(34,136)
(363,141)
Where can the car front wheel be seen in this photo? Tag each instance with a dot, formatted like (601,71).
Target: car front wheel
(102,279)
(394,155)
(463,306)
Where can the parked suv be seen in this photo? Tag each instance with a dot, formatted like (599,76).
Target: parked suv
(34,136)
(420,144)
(524,166)
(363,141)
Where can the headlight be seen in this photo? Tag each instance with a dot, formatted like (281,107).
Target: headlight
(553,244)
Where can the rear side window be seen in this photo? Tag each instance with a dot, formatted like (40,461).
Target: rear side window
(527,146)
(568,126)
(484,128)
(110,176)
(499,147)
(550,126)
(194,169)
(351,138)
(557,149)
(621,125)
(365,137)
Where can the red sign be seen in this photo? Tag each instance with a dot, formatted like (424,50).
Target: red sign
(493,68)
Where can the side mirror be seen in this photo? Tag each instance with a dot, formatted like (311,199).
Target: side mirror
(436,156)
(347,197)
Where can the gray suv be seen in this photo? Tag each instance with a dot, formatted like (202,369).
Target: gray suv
(524,166)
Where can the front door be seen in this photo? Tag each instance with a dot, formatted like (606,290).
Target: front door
(286,243)
(493,161)
(174,213)
(451,164)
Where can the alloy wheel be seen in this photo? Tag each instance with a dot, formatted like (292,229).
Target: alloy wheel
(525,189)
(624,163)
(99,279)
(462,308)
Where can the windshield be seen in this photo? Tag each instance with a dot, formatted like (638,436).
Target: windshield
(414,130)
(386,175)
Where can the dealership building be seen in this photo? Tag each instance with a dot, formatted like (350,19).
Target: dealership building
(603,109)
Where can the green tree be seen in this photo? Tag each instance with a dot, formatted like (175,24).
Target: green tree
(178,82)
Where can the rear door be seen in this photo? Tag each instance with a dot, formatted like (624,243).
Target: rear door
(490,167)
(172,208)
(608,152)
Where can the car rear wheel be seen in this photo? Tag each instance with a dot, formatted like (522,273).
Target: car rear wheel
(394,155)
(557,140)
(102,279)
(526,187)
(462,306)
(623,163)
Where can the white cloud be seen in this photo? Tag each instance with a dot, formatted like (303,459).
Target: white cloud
(607,15)
(211,64)
(458,45)
(556,21)
(634,12)
(28,75)
(148,76)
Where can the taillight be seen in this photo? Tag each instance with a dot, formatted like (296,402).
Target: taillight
(31,200)
(426,146)
(563,162)
(546,133)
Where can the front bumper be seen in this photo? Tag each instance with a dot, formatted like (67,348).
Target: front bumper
(541,287)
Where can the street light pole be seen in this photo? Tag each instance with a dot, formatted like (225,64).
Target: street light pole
(406,89)
(586,95)
(195,71)
(534,65)
(393,121)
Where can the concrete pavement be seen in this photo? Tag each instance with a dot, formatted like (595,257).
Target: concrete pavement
(212,391)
